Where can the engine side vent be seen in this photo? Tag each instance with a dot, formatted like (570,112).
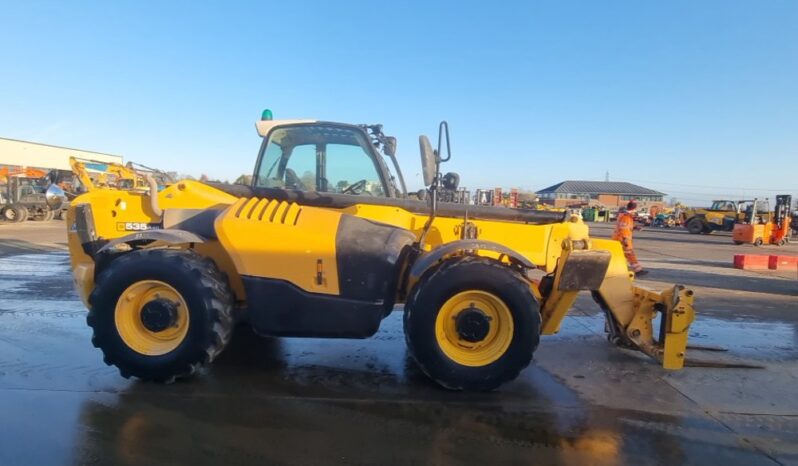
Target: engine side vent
(272,211)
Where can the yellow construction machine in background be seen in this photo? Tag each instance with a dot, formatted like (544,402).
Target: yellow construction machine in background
(325,242)
(95,174)
(722,215)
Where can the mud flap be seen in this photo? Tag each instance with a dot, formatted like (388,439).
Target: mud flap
(583,270)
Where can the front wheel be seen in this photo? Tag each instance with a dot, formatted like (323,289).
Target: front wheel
(472,324)
(15,213)
(160,314)
(695,226)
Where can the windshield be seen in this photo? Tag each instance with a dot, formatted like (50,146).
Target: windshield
(723,205)
(320,157)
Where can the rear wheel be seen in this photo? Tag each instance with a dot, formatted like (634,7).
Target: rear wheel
(39,215)
(472,324)
(160,314)
(758,242)
(695,226)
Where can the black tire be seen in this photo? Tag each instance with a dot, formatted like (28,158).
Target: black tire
(24,214)
(38,215)
(758,242)
(445,281)
(695,226)
(202,286)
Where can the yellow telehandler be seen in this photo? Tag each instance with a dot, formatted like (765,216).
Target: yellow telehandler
(325,242)
(722,215)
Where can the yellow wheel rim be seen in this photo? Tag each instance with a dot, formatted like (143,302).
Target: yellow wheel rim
(131,328)
(474,353)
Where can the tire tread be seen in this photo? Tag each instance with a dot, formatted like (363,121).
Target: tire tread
(216,296)
(438,275)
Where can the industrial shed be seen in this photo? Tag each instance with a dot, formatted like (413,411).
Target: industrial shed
(607,193)
(16,153)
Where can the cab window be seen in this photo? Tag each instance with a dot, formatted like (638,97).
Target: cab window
(322,158)
(300,168)
(347,165)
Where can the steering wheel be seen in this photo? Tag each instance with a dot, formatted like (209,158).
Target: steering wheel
(358,187)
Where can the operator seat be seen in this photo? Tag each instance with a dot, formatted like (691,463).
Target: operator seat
(292,181)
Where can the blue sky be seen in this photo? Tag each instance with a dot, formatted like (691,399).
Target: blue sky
(696,98)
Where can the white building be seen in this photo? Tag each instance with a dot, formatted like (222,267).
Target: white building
(31,154)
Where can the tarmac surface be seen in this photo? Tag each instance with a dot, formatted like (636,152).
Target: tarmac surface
(312,401)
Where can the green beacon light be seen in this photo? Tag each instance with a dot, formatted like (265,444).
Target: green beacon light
(266,115)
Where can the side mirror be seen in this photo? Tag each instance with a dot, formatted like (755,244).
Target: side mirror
(428,162)
(54,197)
(389,146)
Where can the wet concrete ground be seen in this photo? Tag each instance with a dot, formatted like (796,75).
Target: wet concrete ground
(310,401)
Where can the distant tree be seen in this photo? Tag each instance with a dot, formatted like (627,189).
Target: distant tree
(341,185)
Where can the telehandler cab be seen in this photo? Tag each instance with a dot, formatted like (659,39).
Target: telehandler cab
(325,242)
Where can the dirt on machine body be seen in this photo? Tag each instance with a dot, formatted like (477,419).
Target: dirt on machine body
(325,242)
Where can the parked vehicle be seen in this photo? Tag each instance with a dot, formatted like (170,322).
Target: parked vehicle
(23,198)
